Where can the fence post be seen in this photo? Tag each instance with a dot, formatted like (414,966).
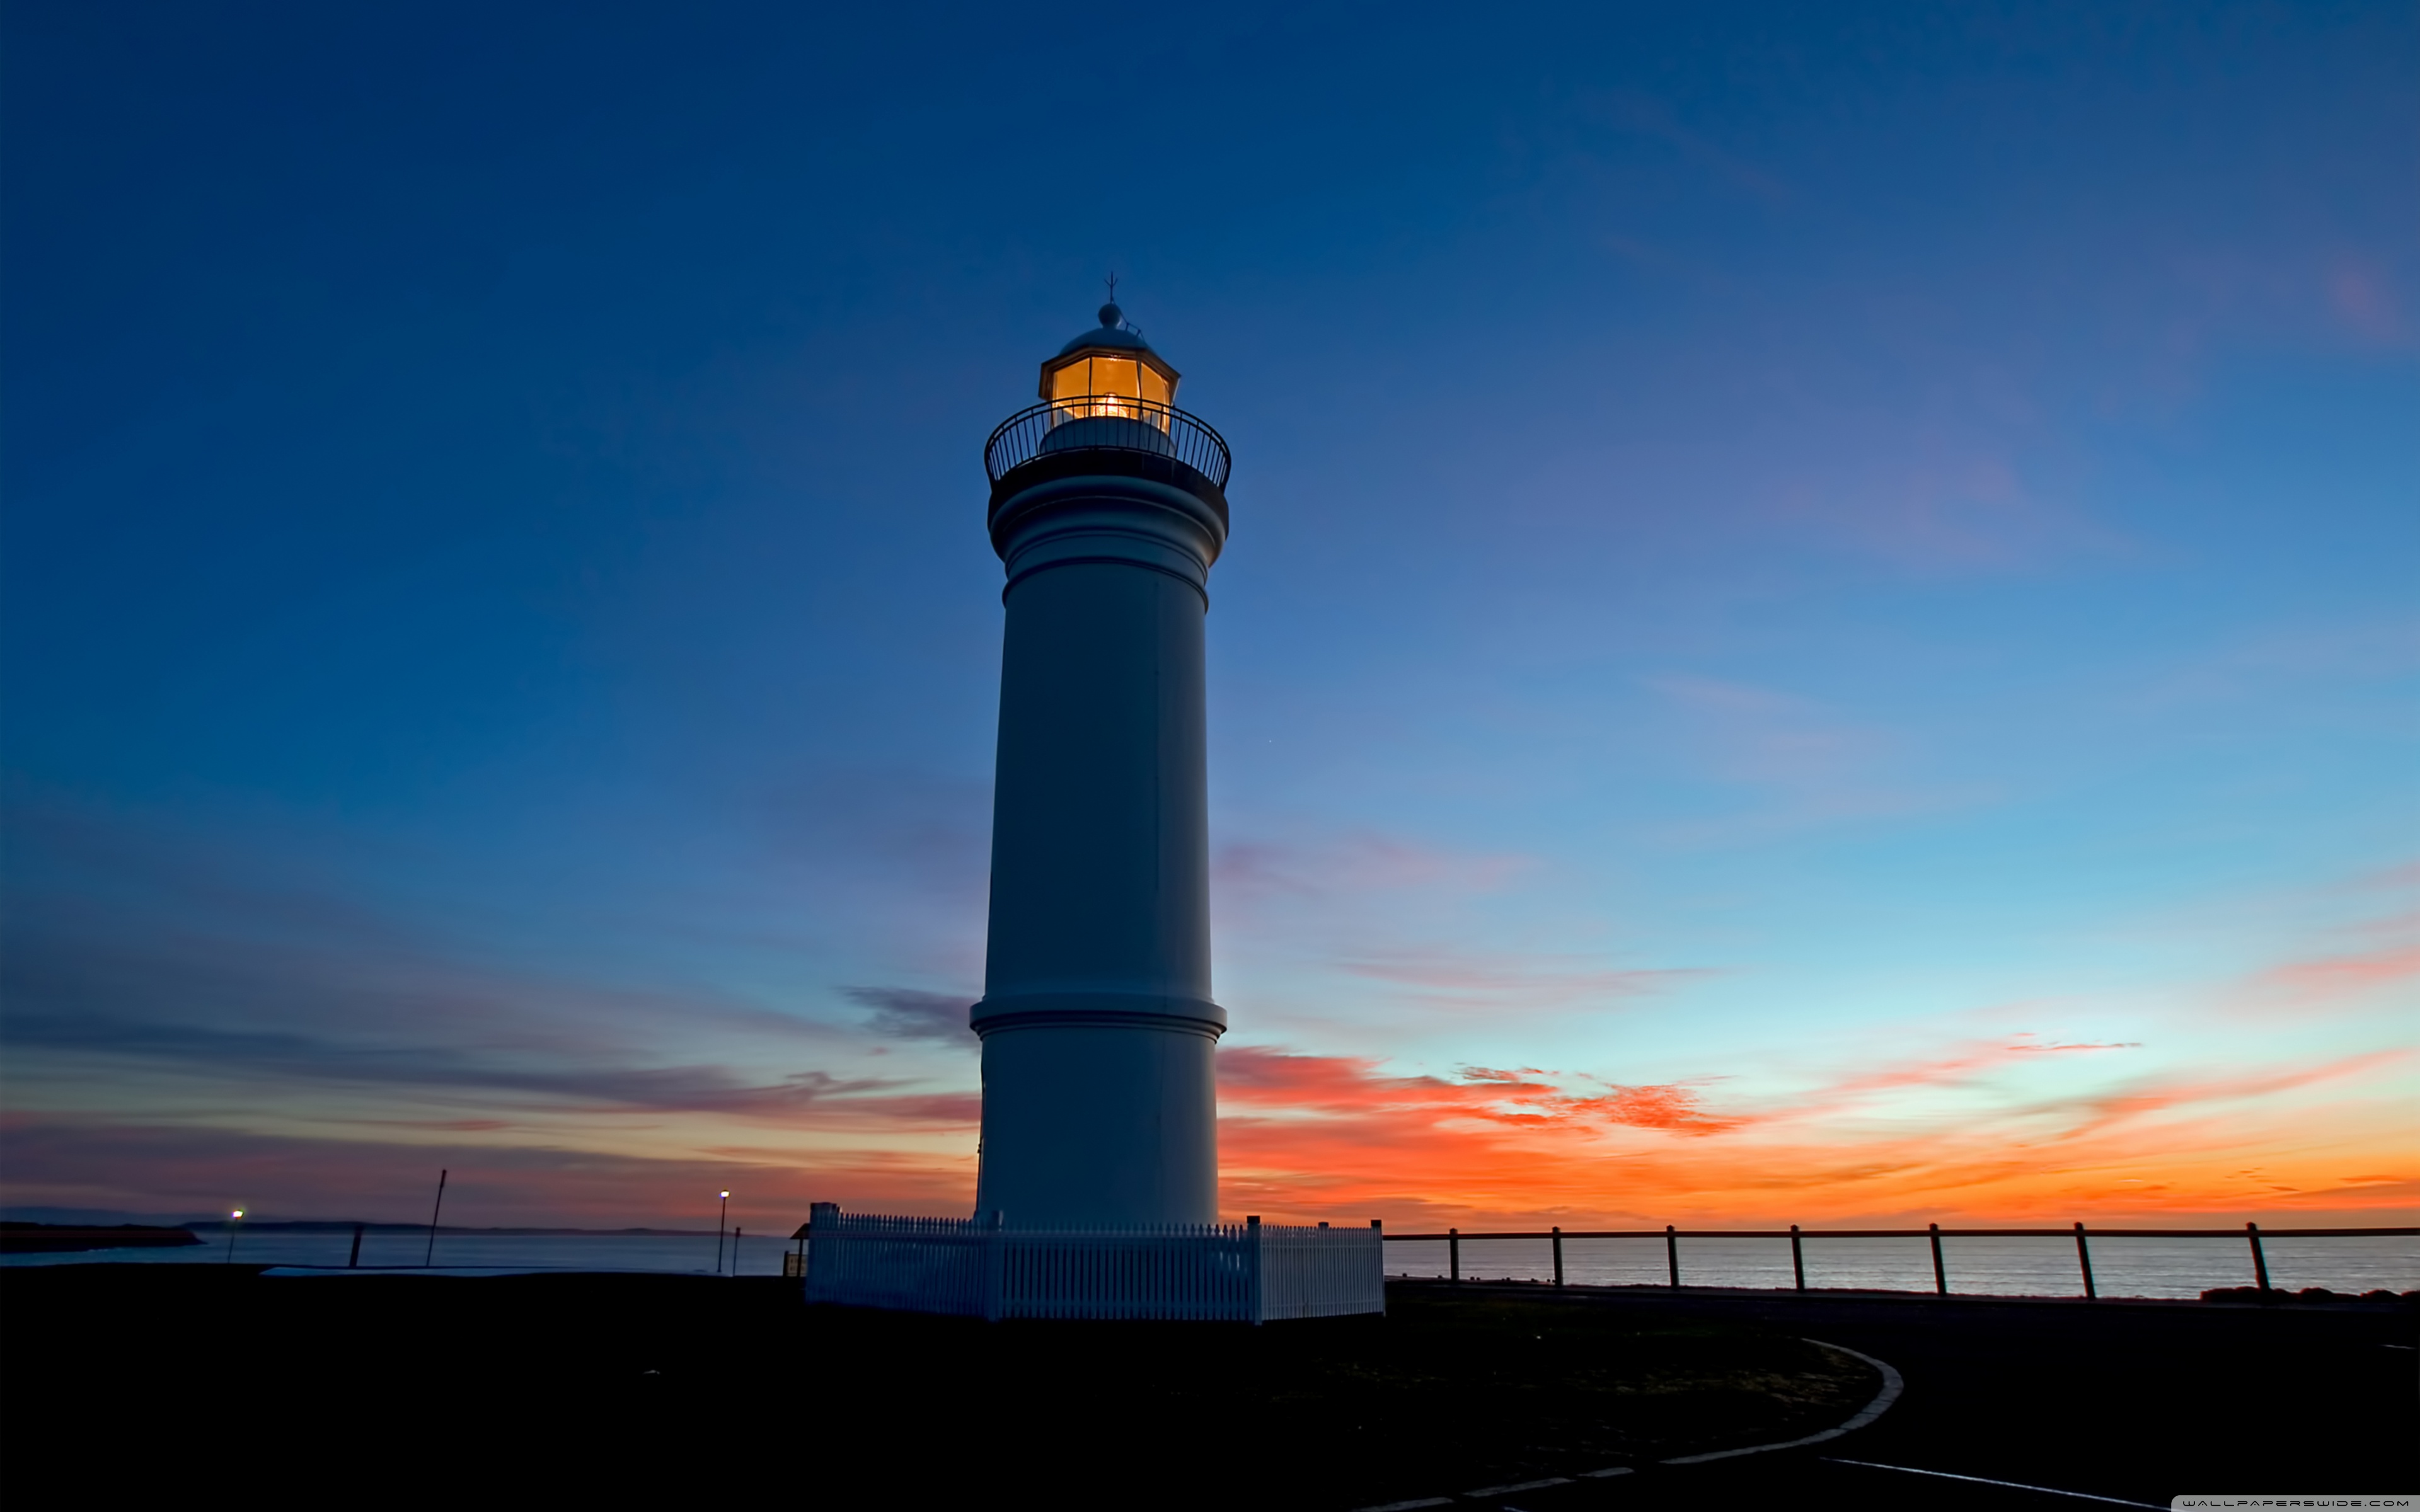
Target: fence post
(1559,1255)
(1797,1259)
(1453,1254)
(2259,1262)
(2084,1258)
(1378,1237)
(355,1262)
(1252,1248)
(1672,1253)
(1940,1275)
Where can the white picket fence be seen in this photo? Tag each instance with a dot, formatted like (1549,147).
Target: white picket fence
(1249,1271)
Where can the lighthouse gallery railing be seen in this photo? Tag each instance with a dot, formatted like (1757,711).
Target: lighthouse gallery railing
(1242,1272)
(1106,422)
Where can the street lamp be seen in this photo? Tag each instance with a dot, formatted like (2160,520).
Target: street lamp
(719,1220)
(234,1219)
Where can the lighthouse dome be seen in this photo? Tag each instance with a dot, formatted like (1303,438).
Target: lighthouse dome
(1110,362)
(1113,333)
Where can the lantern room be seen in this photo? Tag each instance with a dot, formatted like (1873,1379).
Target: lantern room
(1109,372)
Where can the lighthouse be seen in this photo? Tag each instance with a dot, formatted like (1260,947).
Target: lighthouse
(1098,1188)
(1108,509)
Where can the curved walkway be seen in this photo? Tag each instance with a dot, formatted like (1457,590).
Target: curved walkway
(2025,1403)
(1892,1386)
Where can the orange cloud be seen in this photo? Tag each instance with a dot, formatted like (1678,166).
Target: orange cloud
(1659,1107)
(1321,1136)
(1315,1135)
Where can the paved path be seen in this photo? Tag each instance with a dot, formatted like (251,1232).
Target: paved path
(2134,1402)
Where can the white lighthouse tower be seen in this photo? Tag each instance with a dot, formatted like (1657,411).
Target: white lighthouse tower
(1098,1196)
(1107,507)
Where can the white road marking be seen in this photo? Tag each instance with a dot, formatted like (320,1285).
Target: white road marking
(1408,1507)
(1985,1480)
(1892,1385)
(1524,1486)
(1600,1474)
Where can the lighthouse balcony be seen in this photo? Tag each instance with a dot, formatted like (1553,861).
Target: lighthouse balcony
(1105,433)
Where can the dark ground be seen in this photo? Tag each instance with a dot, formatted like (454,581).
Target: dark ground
(146,1376)
(2135,1401)
(66,1238)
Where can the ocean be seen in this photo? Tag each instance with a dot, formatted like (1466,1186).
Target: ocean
(2007,1267)
(672,1254)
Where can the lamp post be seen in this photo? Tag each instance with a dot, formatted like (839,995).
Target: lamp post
(428,1257)
(719,1220)
(235,1220)
(1107,507)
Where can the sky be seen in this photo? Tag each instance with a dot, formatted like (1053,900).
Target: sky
(1820,623)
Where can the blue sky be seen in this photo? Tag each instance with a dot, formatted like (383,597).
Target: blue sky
(1821,620)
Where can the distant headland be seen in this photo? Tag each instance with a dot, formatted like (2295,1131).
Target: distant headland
(60,1239)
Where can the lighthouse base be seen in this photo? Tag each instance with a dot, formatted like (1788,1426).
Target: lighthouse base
(1251,1272)
(1097,1121)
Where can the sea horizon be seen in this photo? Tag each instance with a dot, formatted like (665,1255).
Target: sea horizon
(1471,1228)
(2162,1268)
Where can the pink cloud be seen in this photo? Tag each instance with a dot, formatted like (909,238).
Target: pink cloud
(2022,1046)
(2364,302)
(183,1169)
(2343,975)
(2395,878)
(1935,500)
(1763,735)
(1358,862)
(1819,766)
(2283,657)
(1473,977)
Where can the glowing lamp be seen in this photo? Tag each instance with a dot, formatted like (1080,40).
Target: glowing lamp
(1110,373)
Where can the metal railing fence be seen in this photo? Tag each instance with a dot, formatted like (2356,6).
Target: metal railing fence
(2251,1232)
(1106,422)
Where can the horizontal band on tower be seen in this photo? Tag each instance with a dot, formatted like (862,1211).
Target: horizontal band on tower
(1024,572)
(1107,1010)
(1094,520)
(1144,502)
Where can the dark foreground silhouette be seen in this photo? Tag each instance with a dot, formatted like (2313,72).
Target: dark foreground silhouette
(677,1385)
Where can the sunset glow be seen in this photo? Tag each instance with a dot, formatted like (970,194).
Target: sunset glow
(1829,639)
